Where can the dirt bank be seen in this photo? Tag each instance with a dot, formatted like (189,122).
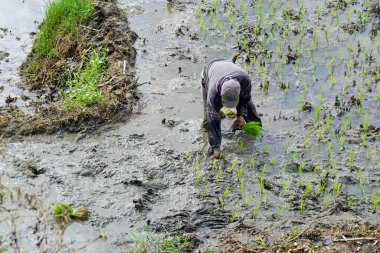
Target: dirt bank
(106,30)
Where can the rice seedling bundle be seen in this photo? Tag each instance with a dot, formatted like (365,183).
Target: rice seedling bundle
(253,129)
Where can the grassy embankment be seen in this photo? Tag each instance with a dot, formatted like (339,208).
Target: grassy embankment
(78,88)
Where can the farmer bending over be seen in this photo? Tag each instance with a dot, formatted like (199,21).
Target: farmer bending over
(225,84)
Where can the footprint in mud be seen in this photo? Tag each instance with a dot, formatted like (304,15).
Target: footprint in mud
(144,202)
(3,55)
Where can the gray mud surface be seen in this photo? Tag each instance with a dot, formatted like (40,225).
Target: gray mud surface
(154,168)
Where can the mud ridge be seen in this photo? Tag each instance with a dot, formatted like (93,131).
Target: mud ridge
(107,30)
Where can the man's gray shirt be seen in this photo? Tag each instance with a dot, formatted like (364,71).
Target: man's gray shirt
(216,73)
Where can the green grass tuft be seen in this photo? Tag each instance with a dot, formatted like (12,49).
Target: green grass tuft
(82,87)
(253,129)
(61,18)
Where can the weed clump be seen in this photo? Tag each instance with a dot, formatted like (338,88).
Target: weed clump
(82,87)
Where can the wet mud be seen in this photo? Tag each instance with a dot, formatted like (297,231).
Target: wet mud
(276,194)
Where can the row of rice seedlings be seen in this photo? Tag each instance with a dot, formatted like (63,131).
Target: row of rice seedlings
(327,127)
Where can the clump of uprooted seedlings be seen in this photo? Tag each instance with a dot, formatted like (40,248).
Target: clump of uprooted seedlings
(80,68)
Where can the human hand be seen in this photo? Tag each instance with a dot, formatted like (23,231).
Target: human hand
(217,153)
(240,120)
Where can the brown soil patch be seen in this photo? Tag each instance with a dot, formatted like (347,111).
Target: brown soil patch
(319,237)
(107,29)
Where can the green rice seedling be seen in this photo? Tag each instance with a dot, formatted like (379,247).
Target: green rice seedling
(346,123)
(265,149)
(252,162)
(361,95)
(259,241)
(364,139)
(241,146)
(329,149)
(205,189)
(306,142)
(326,200)
(256,209)
(320,134)
(303,180)
(378,97)
(221,202)
(294,155)
(246,202)
(351,158)
(286,147)
(253,129)
(362,180)
(342,142)
(241,190)
(258,8)
(349,15)
(374,201)
(317,112)
(337,188)
(328,124)
(332,80)
(279,49)
(213,166)
(219,174)
(187,154)
(199,177)
(233,165)
(294,232)
(279,212)
(311,152)
(301,102)
(261,179)
(302,205)
(321,188)
(226,191)
(300,169)
(278,21)
(298,62)
(234,215)
(316,169)
(307,190)
(284,186)
(264,23)
(273,163)
(195,167)
(240,172)
(319,11)
(215,4)
(365,123)
(333,167)
(350,203)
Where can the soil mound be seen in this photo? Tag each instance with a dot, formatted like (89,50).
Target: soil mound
(107,30)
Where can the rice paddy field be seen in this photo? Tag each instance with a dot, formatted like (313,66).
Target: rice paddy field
(309,183)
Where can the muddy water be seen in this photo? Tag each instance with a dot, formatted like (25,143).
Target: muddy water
(135,172)
(19,19)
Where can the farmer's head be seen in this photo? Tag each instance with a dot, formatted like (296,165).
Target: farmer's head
(230,93)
